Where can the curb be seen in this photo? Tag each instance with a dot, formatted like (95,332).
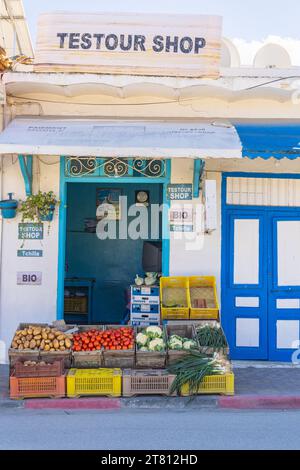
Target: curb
(73,404)
(260,402)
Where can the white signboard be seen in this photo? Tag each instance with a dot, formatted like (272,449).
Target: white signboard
(138,44)
(29,278)
(181,219)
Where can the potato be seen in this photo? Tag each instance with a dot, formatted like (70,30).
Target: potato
(38,343)
(51,336)
(62,348)
(37,331)
(14,345)
(37,337)
(52,349)
(23,339)
(61,337)
(32,344)
(24,333)
(20,347)
(29,337)
(47,341)
(55,344)
(29,331)
(68,343)
(18,341)
(47,347)
(42,345)
(26,344)
(44,335)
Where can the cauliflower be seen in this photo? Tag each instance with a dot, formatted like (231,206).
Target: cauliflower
(141,339)
(154,332)
(156,344)
(189,344)
(143,348)
(175,343)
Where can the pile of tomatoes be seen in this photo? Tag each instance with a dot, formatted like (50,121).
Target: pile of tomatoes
(113,339)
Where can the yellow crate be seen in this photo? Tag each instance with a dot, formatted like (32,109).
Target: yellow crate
(94,382)
(174,290)
(204,287)
(214,385)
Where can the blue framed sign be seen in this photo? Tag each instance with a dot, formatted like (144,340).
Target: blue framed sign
(30,231)
(180,192)
(30,253)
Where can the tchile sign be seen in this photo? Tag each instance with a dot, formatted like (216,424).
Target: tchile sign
(138,44)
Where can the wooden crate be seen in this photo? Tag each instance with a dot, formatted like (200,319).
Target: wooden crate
(16,355)
(185,330)
(52,369)
(125,359)
(146,382)
(87,359)
(150,359)
(208,350)
(65,356)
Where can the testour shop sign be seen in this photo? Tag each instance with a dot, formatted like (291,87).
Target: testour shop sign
(170,45)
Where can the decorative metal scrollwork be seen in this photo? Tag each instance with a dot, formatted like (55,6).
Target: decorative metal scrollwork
(114,167)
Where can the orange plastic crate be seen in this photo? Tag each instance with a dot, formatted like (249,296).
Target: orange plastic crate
(37,387)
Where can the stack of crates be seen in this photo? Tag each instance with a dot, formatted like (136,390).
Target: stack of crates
(144,306)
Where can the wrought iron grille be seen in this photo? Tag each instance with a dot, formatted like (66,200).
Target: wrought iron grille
(78,167)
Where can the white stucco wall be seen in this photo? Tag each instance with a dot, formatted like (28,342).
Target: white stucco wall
(27,303)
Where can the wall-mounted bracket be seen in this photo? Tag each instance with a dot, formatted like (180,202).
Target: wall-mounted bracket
(26,163)
(199,166)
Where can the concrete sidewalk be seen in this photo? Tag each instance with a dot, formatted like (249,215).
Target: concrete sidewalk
(257,386)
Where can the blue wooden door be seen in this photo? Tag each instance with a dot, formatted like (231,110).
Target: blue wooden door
(284,284)
(245,285)
(261,283)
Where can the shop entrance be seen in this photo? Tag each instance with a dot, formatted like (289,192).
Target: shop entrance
(261,268)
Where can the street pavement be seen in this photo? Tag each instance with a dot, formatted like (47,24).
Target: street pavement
(149,430)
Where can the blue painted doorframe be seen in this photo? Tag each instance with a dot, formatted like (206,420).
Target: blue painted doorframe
(267,290)
(65,181)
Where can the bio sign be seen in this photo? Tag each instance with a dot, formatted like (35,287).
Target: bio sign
(31,231)
(180,192)
(181,219)
(170,45)
(29,278)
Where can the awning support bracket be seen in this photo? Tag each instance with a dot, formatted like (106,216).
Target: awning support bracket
(26,164)
(199,166)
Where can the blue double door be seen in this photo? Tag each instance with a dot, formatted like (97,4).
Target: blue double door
(261,283)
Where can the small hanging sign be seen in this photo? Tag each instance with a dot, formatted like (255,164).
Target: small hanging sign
(182,219)
(30,253)
(180,192)
(31,231)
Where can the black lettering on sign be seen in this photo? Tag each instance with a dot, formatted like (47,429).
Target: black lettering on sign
(111,42)
(139,43)
(99,38)
(186,45)
(172,46)
(86,41)
(158,42)
(123,46)
(74,40)
(62,37)
(200,43)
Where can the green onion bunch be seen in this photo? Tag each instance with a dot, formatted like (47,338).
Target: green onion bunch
(211,337)
(192,369)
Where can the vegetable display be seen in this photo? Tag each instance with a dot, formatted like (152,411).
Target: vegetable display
(113,339)
(211,337)
(192,369)
(178,343)
(151,339)
(41,339)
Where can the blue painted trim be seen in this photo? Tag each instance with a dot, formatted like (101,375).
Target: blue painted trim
(26,165)
(240,174)
(62,234)
(199,166)
(64,181)
(166,225)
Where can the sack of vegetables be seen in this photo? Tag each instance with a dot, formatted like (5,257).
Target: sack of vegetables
(150,348)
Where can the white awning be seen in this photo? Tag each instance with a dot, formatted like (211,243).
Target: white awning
(123,139)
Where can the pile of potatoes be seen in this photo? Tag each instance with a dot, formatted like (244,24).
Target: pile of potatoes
(41,339)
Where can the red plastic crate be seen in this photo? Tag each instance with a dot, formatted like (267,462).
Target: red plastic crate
(37,387)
